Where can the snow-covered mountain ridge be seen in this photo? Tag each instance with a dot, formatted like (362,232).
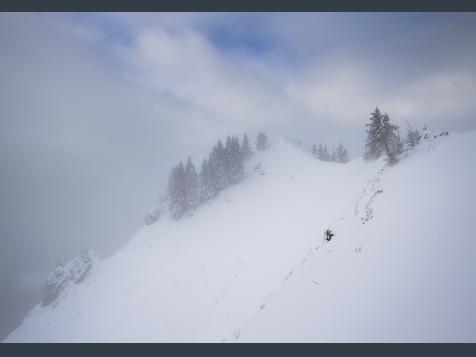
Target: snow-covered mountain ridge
(252,265)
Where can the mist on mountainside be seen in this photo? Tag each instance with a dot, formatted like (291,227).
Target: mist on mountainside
(226,147)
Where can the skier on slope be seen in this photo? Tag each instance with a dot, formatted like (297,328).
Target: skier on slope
(328,235)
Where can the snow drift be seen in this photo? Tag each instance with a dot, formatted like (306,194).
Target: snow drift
(252,266)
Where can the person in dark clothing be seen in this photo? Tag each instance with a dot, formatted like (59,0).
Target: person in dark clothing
(328,235)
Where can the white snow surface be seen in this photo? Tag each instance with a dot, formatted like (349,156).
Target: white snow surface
(251,266)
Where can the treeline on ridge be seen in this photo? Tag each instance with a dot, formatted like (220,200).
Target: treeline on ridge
(338,155)
(187,188)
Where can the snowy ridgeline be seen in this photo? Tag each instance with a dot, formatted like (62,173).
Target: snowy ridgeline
(253,265)
(188,189)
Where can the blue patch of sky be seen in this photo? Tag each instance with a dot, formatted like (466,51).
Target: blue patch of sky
(242,33)
(226,38)
(246,34)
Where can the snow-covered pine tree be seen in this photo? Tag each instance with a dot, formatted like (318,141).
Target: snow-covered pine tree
(320,152)
(206,185)
(239,159)
(213,170)
(314,149)
(246,151)
(172,194)
(217,162)
(389,139)
(228,160)
(341,154)
(325,154)
(222,179)
(236,161)
(182,189)
(191,186)
(261,142)
(346,156)
(333,156)
(374,145)
(177,192)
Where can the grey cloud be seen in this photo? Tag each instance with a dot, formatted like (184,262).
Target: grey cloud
(96,108)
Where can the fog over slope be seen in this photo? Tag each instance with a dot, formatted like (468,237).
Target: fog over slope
(252,264)
(95,108)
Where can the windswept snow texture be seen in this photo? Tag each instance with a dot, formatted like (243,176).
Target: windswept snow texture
(252,266)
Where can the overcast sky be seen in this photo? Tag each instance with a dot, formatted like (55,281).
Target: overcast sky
(95,108)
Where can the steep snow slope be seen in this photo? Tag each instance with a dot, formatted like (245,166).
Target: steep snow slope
(407,274)
(246,267)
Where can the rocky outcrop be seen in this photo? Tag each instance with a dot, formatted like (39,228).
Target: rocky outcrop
(73,272)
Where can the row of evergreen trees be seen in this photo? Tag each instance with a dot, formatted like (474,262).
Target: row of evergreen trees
(187,189)
(338,155)
(383,137)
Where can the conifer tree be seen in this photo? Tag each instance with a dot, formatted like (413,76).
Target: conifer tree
(177,192)
(246,151)
(191,186)
(239,159)
(213,170)
(236,160)
(341,154)
(206,187)
(217,162)
(233,160)
(389,139)
(220,165)
(172,190)
(228,159)
(346,157)
(333,156)
(373,146)
(325,154)
(320,152)
(261,142)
